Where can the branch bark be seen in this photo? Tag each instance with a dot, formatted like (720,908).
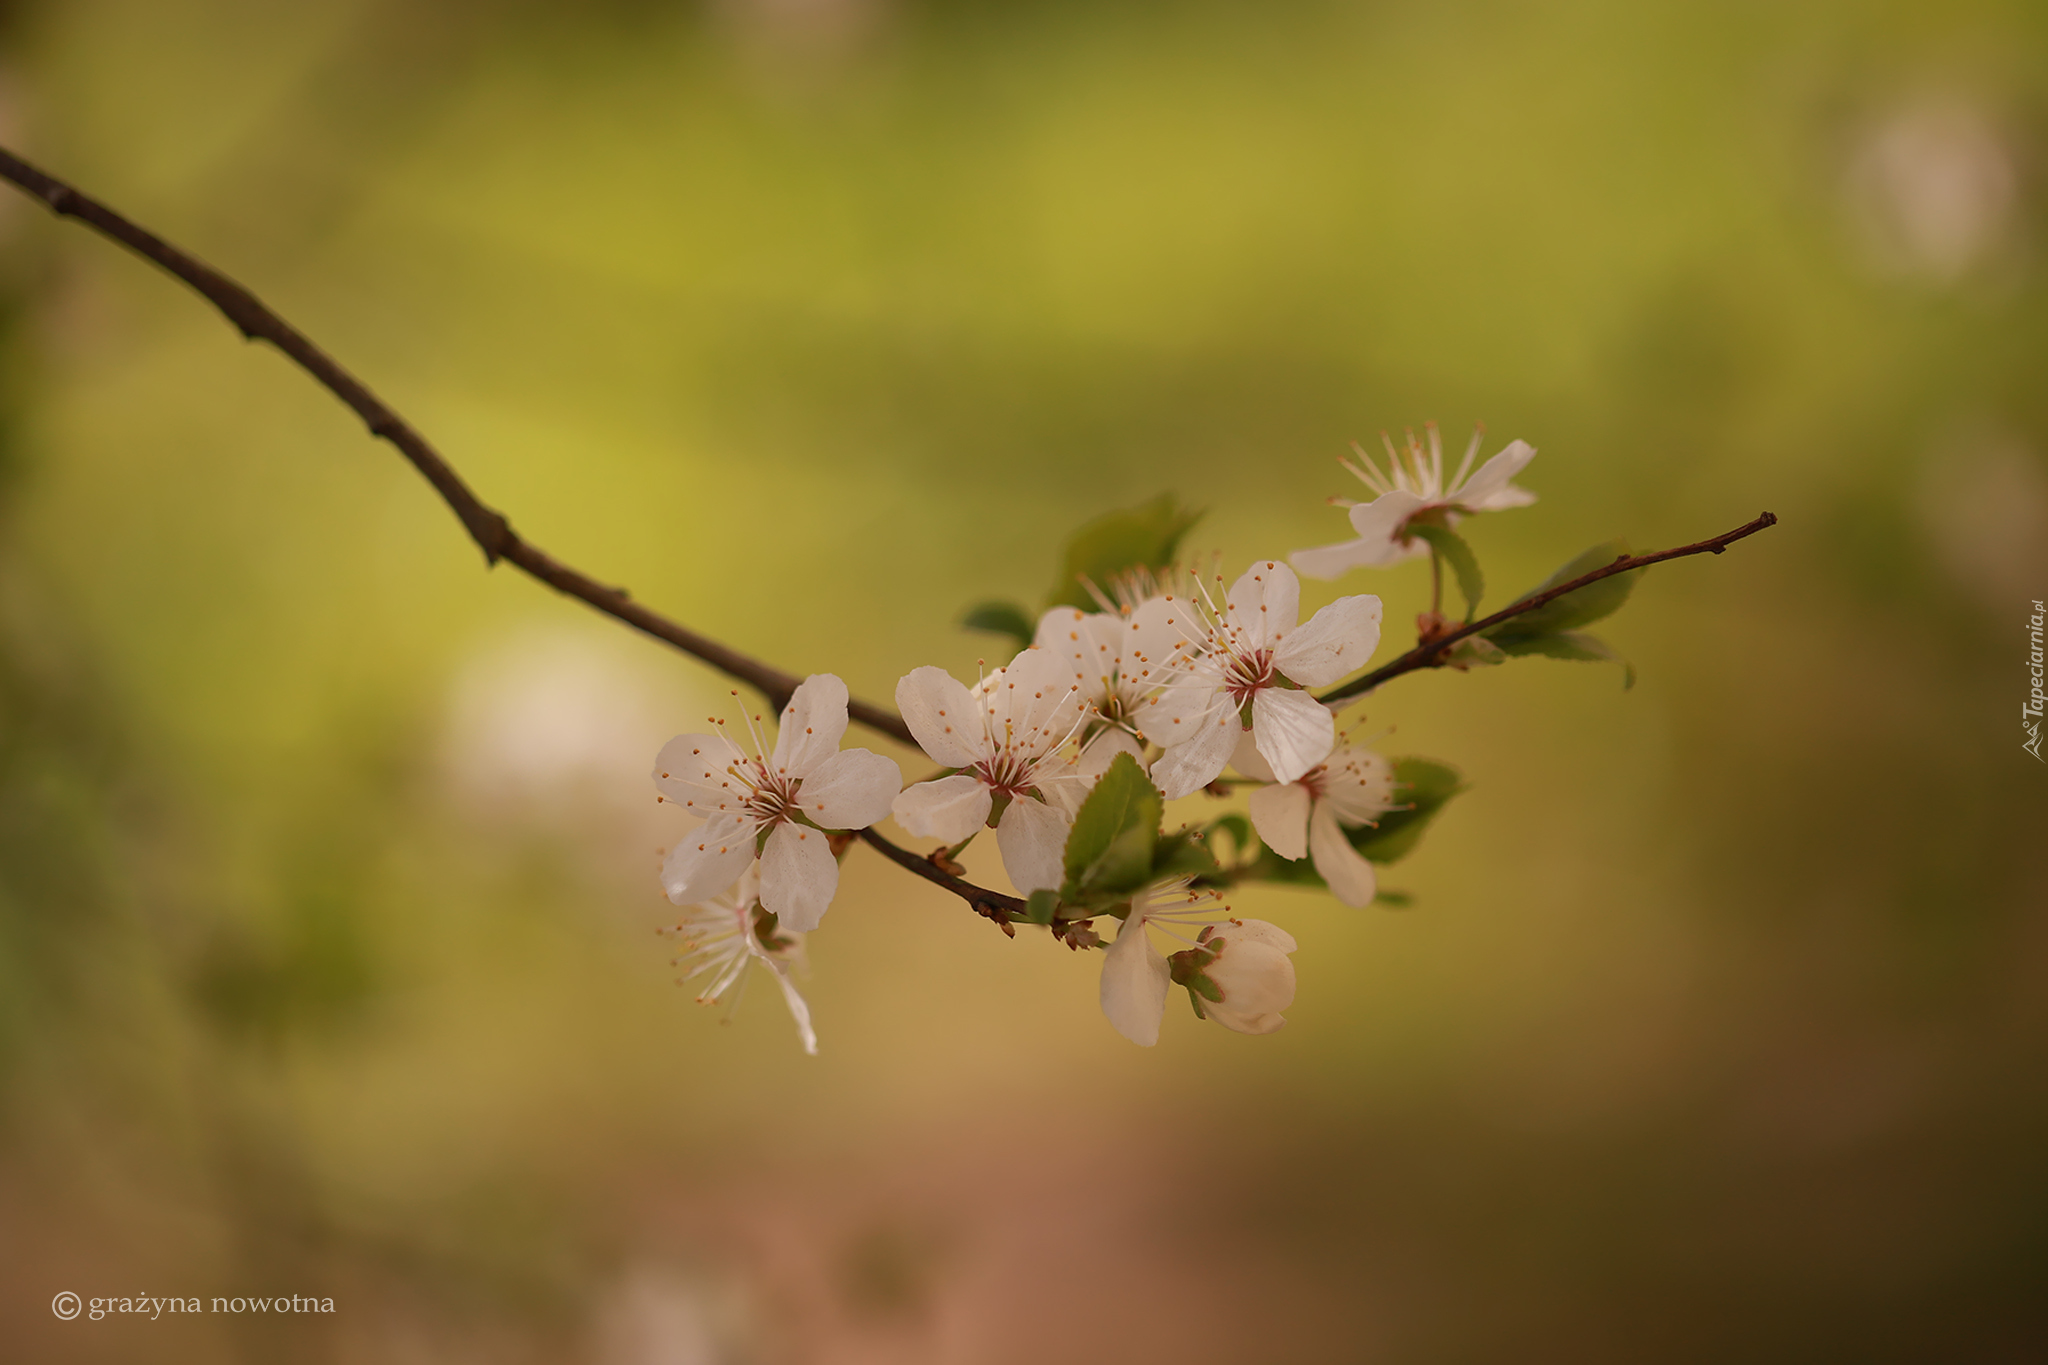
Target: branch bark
(1429,653)
(487,526)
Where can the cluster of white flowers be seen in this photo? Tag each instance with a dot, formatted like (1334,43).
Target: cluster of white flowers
(1183,682)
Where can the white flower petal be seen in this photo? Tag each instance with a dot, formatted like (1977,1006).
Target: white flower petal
(1103,749)
(950,808)
(1135,980)
(1193,765)
(850,790)
(1247,759)
(1381,518)
(811,725)
(799,1009)
(1359,783)
(1293,730)
(1152,645)
(1259,931)
(798,876)
(1351,877)
(1033,838)
(1489,490)
(1238,1022)
(1265,602)
(1064,788)
(1335,641)
(708,859)
(945,720)
(1333,561)
(691,770)
(1034,705)
(1280,815)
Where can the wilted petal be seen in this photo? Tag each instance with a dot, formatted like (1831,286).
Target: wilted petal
(943,718)
(1265,602)
(1489,490)
(691,770)
(708,859)
(1336,640)
(1193,765)
(811,725)
(1349,873)
(1033,839)
(1293,730)
(798,876)
(950,808)
(1280,815)
(1135,980)
(850,790)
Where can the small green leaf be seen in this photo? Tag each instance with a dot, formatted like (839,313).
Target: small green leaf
(1575,645)
(1240,831)
(1038,909)
(1456,553)
(1574,609)
(1394,900)
(1147,536)
(1475,651)
(1423,787)
(1111,843)
(1001,618)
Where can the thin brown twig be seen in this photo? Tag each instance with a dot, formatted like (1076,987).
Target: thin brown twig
(488,527)
(1430,653)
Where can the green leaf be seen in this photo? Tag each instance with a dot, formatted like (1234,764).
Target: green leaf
(1574,609)
(1038,909)
(1423,787)
(1181,854)
(1001,618)
(1394,900)
(1571,644)
(1147,536)
(1110,847)
(1456,553)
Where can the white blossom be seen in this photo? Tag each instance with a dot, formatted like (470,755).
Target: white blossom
(1353,787)
(806,786)
(1411,488)
(721,936)
(1120,660)
(1006,736)
(1135,977)
(1250,661)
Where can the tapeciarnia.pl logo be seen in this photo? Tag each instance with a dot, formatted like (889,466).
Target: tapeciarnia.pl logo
(2030,714)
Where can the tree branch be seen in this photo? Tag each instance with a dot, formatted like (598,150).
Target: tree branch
(487,526)
(1429,653)
(992,905)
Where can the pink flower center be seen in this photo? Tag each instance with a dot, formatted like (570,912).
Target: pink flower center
(1008,773)
(1246,673)
(773,796)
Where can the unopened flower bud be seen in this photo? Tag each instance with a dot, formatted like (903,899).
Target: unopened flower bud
(1239,974)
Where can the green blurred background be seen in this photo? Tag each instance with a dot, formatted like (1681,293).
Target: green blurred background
(1719,1027)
